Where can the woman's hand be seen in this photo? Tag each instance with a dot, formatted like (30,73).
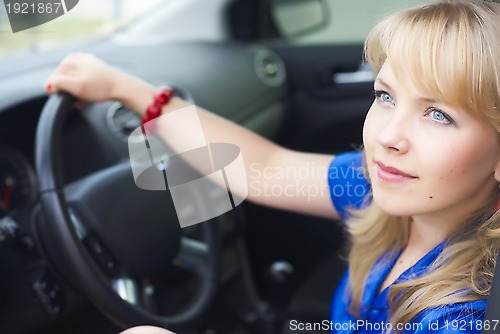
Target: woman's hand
(85,77)
(90,79)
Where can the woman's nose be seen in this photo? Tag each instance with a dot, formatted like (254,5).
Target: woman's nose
(393,135)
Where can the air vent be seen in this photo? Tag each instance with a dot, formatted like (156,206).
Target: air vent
(122,121)
(269,68)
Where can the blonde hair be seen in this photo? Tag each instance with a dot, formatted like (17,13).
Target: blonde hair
(449,50)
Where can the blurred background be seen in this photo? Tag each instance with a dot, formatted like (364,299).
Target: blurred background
(90,18)
(349,22)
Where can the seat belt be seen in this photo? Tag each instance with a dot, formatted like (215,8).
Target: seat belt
(492,316)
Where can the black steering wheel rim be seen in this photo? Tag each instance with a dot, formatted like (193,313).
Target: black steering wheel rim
(73,257)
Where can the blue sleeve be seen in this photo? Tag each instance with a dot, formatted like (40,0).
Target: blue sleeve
(347,183)
(463,318)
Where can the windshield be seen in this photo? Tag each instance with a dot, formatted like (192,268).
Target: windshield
(76,20)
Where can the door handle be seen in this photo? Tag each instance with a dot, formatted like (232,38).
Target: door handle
(364,74)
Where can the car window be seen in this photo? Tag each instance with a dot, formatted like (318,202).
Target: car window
(89,18)
(350,21)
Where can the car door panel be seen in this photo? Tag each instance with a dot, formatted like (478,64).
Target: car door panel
(325,108)
(327,102)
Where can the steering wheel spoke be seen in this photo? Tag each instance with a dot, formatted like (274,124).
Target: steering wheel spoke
(193,255)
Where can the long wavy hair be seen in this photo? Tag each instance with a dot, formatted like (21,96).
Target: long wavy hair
(450,50)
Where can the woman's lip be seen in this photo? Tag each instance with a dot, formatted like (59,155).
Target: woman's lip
(392,170)
(391,174)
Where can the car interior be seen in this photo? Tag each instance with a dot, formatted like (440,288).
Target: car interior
(83,250)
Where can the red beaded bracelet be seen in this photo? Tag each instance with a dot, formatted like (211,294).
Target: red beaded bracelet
(160,99)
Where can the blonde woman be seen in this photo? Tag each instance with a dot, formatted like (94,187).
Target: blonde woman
(420,200)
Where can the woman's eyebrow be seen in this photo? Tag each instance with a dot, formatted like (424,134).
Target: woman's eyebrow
(420,98)
(428,99)
(383,83)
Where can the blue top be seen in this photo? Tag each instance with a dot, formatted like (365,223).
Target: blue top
(345,173)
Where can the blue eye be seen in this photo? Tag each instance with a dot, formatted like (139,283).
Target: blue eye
(383,96)
(438,116)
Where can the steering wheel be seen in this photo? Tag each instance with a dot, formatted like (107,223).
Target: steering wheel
(104,234)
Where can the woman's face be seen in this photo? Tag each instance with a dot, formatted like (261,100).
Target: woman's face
(425,158)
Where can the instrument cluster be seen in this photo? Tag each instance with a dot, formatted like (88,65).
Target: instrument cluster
(17,181)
